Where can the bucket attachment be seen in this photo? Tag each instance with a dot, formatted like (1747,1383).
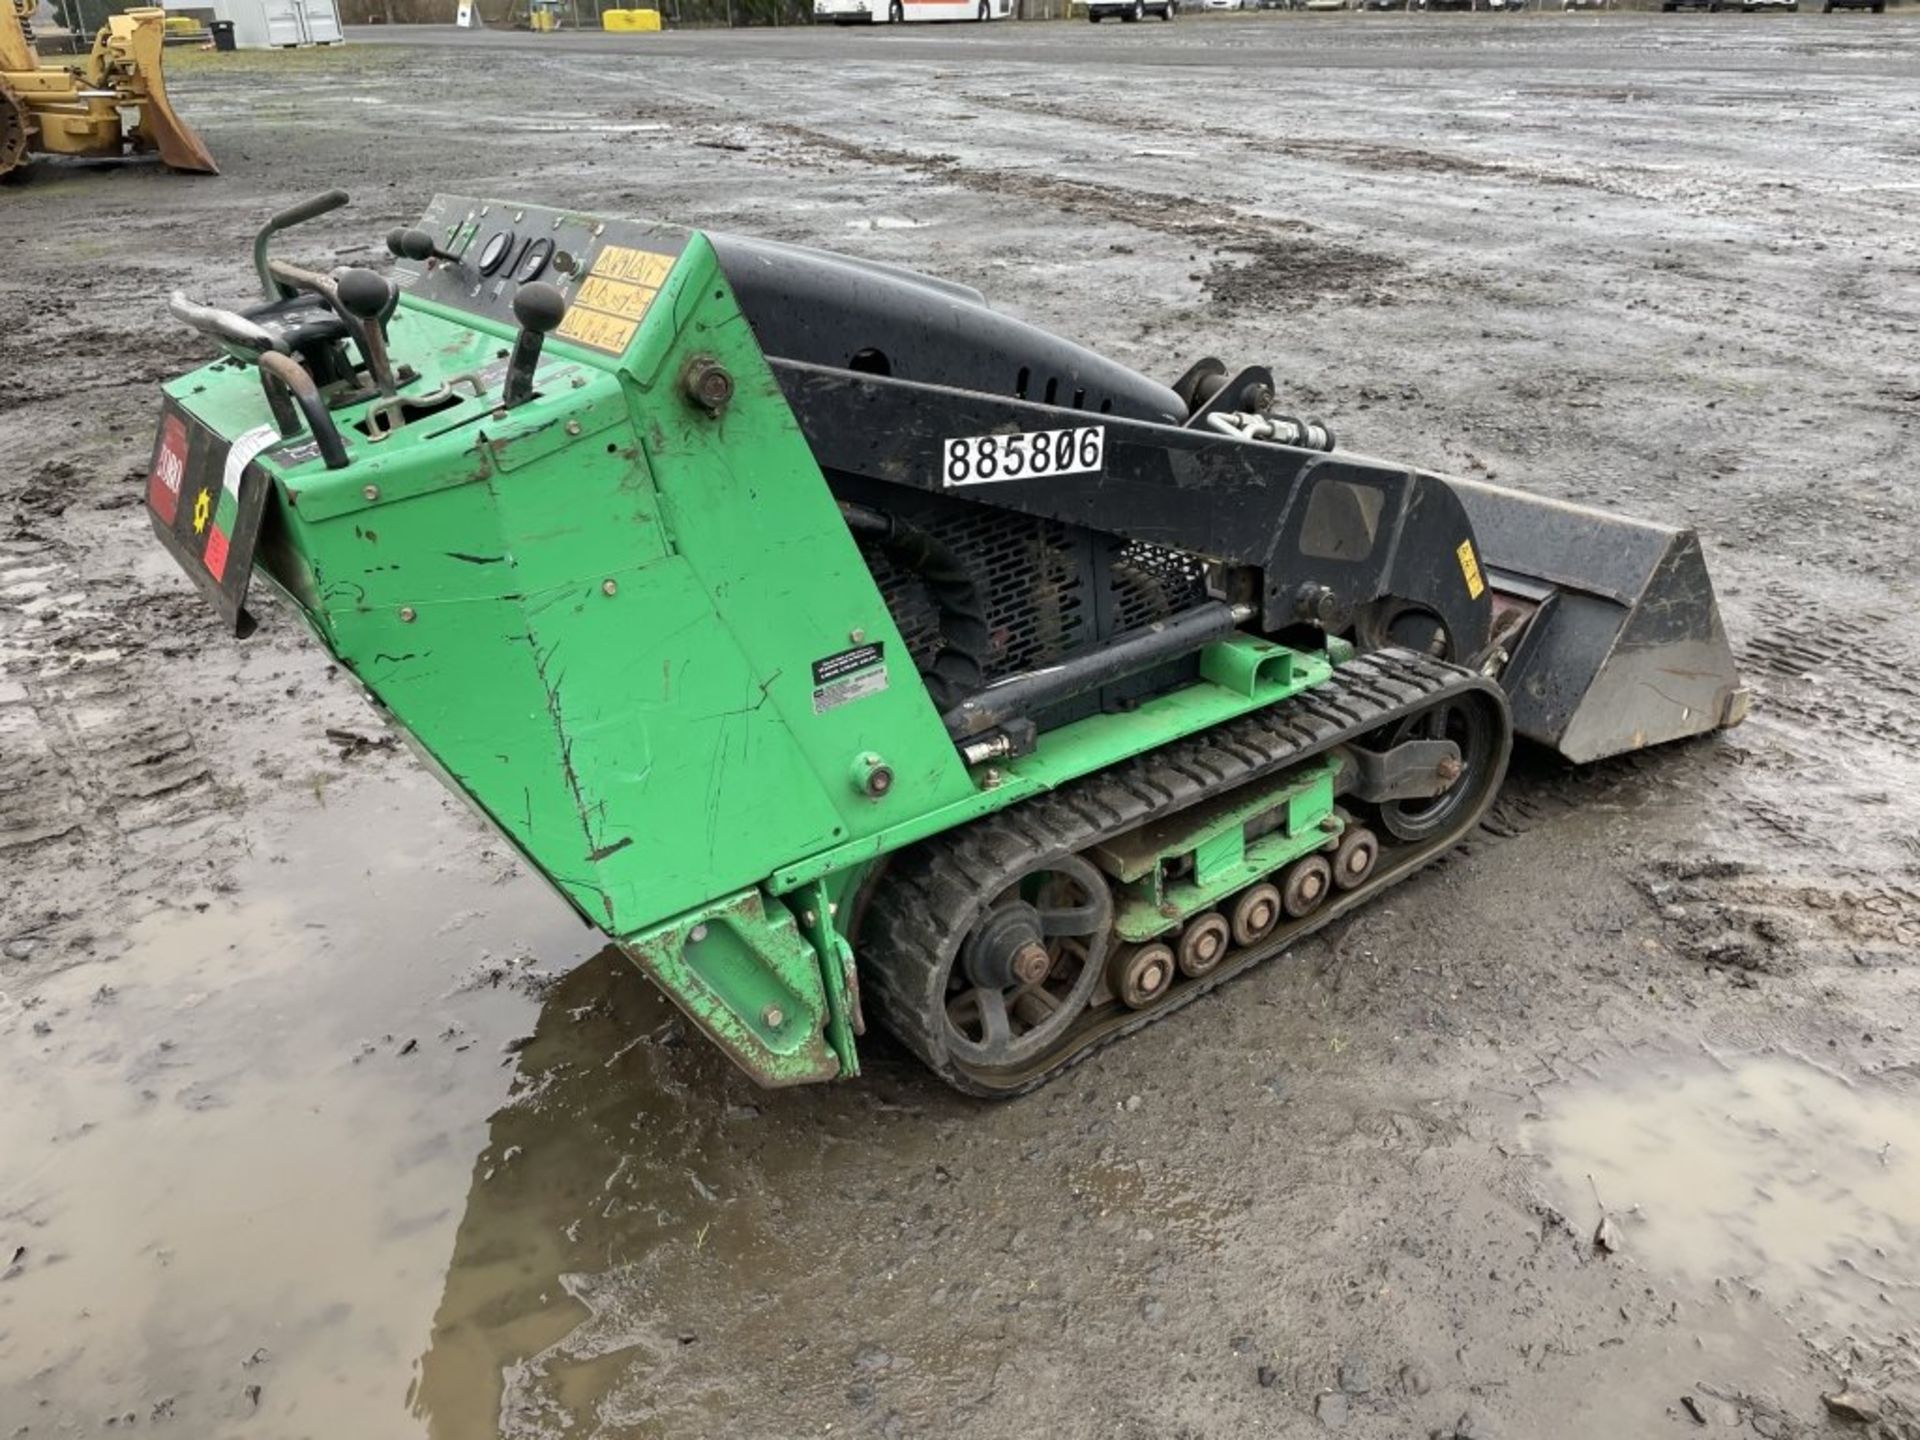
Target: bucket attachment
(1613,633)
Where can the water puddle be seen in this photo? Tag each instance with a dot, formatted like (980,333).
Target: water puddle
(1769,1171)
(354,1141)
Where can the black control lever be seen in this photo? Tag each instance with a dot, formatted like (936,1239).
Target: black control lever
(369,298)
(539,308)
(415,244)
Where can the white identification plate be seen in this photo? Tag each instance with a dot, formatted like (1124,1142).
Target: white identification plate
(990,459)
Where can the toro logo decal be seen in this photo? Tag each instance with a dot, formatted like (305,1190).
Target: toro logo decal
(169,469)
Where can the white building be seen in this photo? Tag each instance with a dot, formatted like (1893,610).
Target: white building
(263,24)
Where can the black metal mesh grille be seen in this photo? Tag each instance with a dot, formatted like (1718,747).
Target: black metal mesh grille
(1031,572)
(1150,582)
(1040,581)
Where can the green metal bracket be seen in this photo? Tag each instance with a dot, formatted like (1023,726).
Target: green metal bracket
(1224,858)
(746,975)
(1249,667)
(838,980)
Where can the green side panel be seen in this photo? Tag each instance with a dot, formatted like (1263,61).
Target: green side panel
(750,511)
(600,613)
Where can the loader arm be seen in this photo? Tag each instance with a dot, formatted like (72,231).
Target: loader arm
(16,38)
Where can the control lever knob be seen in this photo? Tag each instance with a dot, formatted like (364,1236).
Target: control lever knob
(370,298)
(539,308)
(416,244)
(364,293)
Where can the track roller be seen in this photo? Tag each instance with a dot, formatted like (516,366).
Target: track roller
(1354,858)
(1140,977)
(1308,882)
(1203,944)
(1255,914)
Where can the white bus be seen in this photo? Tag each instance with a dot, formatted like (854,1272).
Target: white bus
(895,12)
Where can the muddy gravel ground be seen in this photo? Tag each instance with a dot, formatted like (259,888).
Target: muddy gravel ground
(321,1117)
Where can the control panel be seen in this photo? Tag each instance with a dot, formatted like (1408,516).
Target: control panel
(476,255)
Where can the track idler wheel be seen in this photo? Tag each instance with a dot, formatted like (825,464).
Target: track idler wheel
(1140,977)
(1354,859)
(1255,914)
(1204,944)
(1306,886)
(1473,729)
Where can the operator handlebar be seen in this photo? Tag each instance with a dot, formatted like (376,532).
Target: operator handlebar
(277,369)
(286,219)
(367,330)
(313,405)
(224,324)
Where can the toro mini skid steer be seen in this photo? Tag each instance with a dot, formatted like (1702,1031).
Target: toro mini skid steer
(847,650)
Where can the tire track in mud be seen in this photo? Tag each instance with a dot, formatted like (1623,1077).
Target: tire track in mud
(1281,258)
(1281,254)
(1766,915)
(1360,154)
(1162,212)
(1834,672)
(1835,696)
(106,797)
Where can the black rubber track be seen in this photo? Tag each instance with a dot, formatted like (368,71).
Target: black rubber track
(933,893)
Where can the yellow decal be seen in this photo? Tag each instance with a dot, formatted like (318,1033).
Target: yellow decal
(603,332)
(614,298)
(642,267)
(1470,570)
(202,508)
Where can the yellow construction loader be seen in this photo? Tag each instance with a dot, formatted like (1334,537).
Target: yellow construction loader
(77,108)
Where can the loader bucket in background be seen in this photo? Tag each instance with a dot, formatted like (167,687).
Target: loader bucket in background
(1622,645)
(134,43)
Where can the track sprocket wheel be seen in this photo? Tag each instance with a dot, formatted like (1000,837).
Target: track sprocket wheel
(1028,966)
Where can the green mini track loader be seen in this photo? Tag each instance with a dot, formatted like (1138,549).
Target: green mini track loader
(845,649)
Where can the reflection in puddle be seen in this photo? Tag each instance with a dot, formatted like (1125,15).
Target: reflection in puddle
(232,1159)
(315,1164)
(619,1223)
(1772,1171)
(654,1247)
